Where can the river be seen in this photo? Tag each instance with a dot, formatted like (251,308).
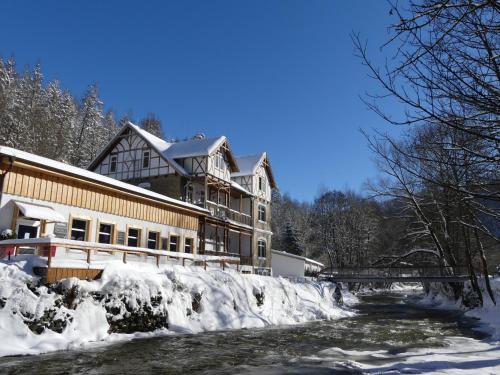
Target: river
(389,323)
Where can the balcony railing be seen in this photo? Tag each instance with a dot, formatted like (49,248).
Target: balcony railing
(225,213)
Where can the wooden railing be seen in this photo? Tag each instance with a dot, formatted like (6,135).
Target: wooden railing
(47,248)
(226,213)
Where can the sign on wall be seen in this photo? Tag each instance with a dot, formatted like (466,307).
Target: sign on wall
(61,230)
(120,238)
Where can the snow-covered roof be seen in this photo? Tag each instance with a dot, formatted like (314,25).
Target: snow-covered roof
(237,186)
(86,174)
(40,212)
(172,150)
(194,147)
(248,164)
(306,260)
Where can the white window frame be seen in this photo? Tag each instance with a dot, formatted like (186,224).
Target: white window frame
(86,231)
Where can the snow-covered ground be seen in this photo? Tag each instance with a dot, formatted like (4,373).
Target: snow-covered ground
(193,299)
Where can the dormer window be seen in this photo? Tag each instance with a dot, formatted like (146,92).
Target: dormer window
(145,159)
(112,163)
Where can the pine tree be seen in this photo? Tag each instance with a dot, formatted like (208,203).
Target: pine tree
(289,241)
(110,125)
(152,124)
(88,140)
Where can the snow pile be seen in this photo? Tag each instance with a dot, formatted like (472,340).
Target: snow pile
(489,313)
(141,297)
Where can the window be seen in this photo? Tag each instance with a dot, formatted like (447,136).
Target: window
(188,245)
(79,229)
(27,231)
(262,184)
(174,240)
(261,248)
(134,237)
(262,213)
(153,240)
(105,233)
(219,161)
(145,159)
(112,164)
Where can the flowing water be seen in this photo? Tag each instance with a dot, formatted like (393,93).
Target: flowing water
(388,322)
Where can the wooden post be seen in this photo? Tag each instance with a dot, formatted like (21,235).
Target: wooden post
(239,243)
(88,255)
(183,262)
(158,261)
(124,257)
(205,265)
(49,258)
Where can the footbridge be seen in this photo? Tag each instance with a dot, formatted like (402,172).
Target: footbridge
(389,274)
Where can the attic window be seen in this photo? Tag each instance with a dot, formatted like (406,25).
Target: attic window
(112,164)
(262,184)
(219,161)
(145,159)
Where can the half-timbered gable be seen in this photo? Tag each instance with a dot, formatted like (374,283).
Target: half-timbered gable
(131,155)
(255,175)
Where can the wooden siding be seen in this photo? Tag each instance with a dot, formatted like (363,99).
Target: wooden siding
(46,187)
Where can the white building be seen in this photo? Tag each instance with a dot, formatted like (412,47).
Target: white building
(291,265)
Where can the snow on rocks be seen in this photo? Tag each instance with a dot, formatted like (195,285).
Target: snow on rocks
(129,299)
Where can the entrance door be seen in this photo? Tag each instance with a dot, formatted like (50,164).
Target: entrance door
(27,231)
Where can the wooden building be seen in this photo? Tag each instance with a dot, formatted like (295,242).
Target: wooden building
(40,197)
(203,172)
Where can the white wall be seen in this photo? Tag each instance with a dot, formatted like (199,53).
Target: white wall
(285,265)
(121,222)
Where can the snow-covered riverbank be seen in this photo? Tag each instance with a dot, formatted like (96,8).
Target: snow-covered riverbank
(488,314)
(169,300)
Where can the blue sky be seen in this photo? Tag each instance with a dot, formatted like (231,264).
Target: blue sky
(276,76)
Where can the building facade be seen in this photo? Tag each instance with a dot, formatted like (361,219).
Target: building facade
(40,197)
(236,192)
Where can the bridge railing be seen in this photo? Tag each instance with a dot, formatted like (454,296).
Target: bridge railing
(399,271)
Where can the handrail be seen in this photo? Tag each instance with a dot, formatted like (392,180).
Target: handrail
(43,246)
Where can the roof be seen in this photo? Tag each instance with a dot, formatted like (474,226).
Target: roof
(306,260)
(250,163)
(40,212)
(86,174)
(173,150)
(237,186)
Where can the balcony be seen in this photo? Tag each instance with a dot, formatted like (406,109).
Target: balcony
(225,213)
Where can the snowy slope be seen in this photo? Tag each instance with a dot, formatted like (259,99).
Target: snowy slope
(86,311)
